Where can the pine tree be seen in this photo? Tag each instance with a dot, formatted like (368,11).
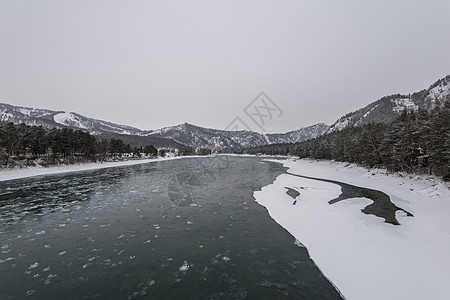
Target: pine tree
(10,141)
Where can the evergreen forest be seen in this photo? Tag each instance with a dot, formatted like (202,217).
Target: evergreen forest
(416,142)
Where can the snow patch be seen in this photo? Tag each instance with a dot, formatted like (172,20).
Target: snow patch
(340,124)
(404,103)
(438,94)
(69,119)
(25,111)
(5,117)
(367,113)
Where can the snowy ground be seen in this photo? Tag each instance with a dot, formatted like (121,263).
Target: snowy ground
(9,174)
(363,256)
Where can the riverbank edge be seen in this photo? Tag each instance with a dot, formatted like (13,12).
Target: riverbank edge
(15,173)
(426,196)
(33,171)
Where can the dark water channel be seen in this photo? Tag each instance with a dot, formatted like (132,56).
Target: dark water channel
(382,205)
(181,229)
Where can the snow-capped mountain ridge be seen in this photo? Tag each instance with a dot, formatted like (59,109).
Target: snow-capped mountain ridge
(215,139)
(184,134)
(387,109)
(298,135)
(49,119)
(384,110)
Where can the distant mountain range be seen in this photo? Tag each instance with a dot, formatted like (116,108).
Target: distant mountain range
(385,110)
(171,137)
(199,137)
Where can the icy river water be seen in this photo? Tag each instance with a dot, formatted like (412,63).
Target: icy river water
(179,229)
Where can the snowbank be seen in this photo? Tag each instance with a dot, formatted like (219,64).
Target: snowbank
(363,256)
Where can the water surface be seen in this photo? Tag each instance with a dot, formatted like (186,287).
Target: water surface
(181,229)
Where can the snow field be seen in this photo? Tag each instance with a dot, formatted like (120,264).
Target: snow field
(360,254)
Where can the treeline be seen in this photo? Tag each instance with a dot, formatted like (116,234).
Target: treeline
(32,142)
(417,142)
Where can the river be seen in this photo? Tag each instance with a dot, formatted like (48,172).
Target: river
(180,229)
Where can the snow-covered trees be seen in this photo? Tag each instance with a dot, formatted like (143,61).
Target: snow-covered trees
(63,145)
(415,142)
(9,140)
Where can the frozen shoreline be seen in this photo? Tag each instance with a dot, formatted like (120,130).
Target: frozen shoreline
(16,173)
(10,174)
(363,256)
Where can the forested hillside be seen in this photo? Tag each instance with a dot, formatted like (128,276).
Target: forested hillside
(183,137)
(416,142)
(389,108)
(28,145)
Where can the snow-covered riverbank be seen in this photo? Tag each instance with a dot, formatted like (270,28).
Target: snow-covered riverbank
(363,256)
(9,174)
(17,173)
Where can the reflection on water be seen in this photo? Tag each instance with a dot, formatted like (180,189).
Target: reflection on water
(184,229)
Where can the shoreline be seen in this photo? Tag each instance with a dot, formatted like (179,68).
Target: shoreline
(32,171)
(364,257)
(12,174)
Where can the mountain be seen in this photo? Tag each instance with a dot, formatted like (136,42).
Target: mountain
(299,135)
(59,119)
(199,137)
(169,137)
(387,109)
(102,129)
(384,110)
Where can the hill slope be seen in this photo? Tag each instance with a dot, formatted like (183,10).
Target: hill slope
(49,119)
(389,108)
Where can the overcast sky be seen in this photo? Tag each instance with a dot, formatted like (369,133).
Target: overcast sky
(151,64)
